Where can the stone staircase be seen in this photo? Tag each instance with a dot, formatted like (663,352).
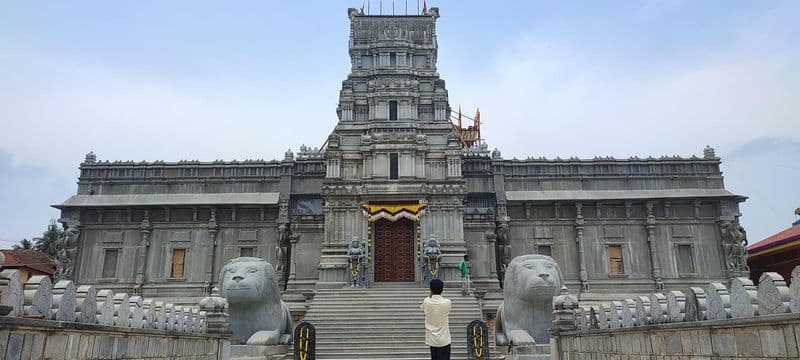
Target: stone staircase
(383,323)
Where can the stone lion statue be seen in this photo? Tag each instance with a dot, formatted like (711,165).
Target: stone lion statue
(525,316)
(258,315)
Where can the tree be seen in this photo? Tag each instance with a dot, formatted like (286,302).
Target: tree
(47,243)
(24,244)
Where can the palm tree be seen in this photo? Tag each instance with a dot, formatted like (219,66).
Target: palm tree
(23,244)
(47,243)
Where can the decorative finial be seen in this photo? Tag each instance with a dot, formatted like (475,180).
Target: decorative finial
(91,158)
(289,155)
(496,154)
(708,153)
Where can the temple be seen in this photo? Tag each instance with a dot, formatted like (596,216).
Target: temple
(395,171)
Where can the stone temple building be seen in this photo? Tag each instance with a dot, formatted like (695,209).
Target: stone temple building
(394,171)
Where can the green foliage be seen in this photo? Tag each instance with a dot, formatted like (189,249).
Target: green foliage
(47,243)
(24,244)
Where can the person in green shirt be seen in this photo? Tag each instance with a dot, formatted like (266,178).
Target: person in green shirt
(464,267)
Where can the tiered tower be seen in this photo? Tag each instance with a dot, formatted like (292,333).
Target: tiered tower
(393,152)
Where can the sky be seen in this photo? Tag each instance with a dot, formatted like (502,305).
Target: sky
(172,80)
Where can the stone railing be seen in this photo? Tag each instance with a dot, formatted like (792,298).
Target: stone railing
(69,321)
(743,320)
(40,299)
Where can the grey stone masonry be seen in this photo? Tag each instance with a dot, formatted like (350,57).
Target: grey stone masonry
(749,322)
(58,340)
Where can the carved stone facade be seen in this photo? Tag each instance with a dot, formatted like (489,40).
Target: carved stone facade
(668,221)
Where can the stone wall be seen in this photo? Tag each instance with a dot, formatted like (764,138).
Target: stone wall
(764,337)
(739,321)
(35,339)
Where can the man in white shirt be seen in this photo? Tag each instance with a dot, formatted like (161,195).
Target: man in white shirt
(437,324)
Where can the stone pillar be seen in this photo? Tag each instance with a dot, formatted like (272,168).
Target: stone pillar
(579,223)
(216,314)
(293,239)
(144,248)
(650,225)
(491,240)
(213,228)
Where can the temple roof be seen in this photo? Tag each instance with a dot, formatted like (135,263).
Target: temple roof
(269,198)
(782,238)
(548,195)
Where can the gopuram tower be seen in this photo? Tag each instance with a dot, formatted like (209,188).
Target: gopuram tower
(393,173)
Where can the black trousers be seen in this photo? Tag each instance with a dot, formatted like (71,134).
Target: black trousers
(440,353)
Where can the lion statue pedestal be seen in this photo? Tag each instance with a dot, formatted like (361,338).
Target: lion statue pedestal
(525,317)
(258,315)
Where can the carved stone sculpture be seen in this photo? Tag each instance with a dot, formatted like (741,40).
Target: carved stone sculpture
(773,294)
(525,315)
(719,302)
(283,248)
(66,248)
(169,313)
(356,262)
(214,310)
(137,312)
(658,308)
(431,259)
(12,293)
(160,316)
(122,310)
(744,298)
(64,293)
(86,304)
(105,307)
(734,240)
(148,309)
(615,314)
(258,315)
(794,291)
(676,306)
(38,292)
(696,304)
(628,315)
(602,317)
(565,307)
(642,310)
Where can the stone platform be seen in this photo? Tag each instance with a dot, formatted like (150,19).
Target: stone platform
(260,352)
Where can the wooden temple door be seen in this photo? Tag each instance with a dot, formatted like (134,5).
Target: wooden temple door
(394,250)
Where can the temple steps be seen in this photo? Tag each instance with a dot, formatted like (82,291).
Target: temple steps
(383,323)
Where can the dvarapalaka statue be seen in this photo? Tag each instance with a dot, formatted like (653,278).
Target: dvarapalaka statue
(258,315)
(525,316)
(431,259)
(356,263)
